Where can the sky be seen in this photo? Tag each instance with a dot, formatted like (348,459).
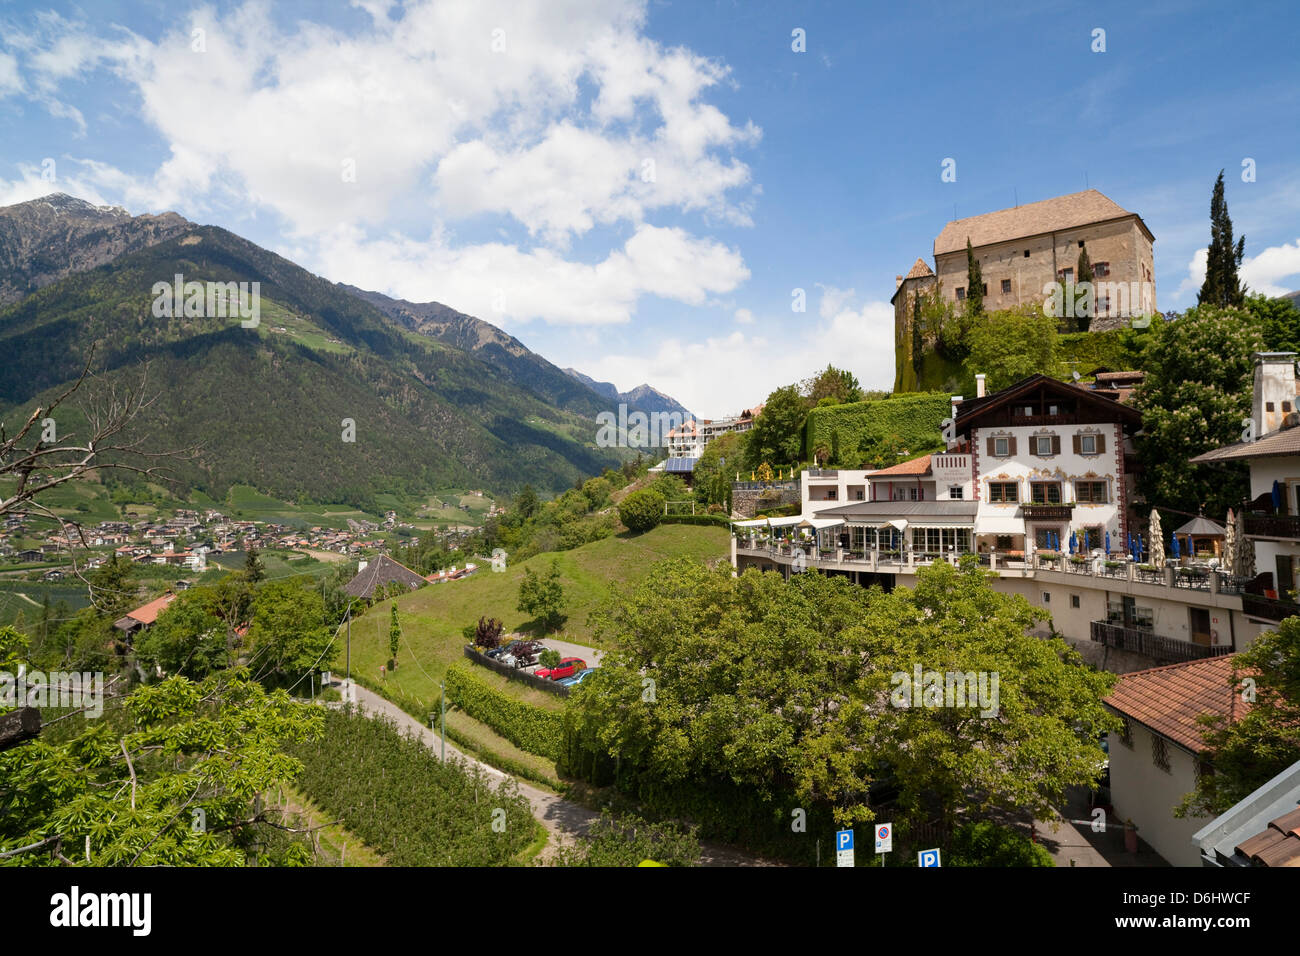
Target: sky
(649,191)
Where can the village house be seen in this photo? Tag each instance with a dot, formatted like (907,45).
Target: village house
(1160,753)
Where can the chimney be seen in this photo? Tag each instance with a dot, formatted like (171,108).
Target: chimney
(979,385)
(1275,387)
(898,281)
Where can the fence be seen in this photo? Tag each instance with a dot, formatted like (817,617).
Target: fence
(515,673)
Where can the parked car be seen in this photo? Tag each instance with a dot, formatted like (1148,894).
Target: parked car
(523,655)
(506,648)
(577,678)
(567,667)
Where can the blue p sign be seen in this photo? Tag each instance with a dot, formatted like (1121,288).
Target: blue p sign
(927,858)
(844,840)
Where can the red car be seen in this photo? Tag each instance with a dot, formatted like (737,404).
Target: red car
(567,667)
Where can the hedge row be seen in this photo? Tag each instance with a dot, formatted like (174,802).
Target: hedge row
(917,420)
(722,521)
(529,728)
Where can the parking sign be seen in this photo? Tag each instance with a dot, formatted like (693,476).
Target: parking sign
(844,848)
(928,858)
(884,838)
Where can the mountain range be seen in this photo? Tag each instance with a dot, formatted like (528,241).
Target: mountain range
(643,397)
(437,398)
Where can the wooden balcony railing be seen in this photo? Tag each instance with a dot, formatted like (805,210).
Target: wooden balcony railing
(1273,526)
(1164,650)
(1268,608)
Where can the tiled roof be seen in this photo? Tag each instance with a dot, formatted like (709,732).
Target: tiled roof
(1278,443)
(380,572)
(913,467)
(1169,699)
(919,271)
(1277,845)
(1034,219)
(148,613)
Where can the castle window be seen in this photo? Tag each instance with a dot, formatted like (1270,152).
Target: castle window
(1026,253)
(961,292)
(1065,275)
(1080,243)
(1102,269)
(1006,286)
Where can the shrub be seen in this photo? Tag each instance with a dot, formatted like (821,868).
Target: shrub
(641,510)
(985,843)
(530,728)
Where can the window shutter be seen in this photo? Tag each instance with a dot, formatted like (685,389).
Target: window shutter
(1077,445)
(1101,444)
(992,450)
(1011,447)
(1056,444)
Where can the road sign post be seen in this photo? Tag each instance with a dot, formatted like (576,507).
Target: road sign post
(884,840)
(844,848)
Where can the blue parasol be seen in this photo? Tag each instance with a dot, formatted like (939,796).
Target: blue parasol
(1175,540)
(1086,546)
(1108,544)
(1074,542)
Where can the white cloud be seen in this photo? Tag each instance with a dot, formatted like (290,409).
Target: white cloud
(744,317)
(1262,273)
(859,339)
(31,184)
(543,113)
(506,285)
(1265,272)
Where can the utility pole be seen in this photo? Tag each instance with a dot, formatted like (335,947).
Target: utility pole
(443,685)
(349,651)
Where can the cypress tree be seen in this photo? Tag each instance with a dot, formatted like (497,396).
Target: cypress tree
(1083,273)
(974,282)
(1222,287)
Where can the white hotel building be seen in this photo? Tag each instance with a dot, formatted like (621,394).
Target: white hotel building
(1039,458)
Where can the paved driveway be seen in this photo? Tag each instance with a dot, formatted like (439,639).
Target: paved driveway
(563,819)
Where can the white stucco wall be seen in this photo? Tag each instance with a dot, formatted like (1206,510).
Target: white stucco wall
(1144,793)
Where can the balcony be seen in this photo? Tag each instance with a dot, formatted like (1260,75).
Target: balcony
(1284,527)
(1047,512)
(1270,609)
(1163,650)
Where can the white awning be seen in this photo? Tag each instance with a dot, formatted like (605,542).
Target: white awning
(1000,524)
(784,522)
(898,523)
(754,523)
(821,524)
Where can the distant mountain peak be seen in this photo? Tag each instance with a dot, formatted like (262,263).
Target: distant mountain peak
(644,397)
(44,239)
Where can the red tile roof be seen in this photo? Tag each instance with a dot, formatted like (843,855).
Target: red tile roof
(914,467)
(148,613)
(1169,699)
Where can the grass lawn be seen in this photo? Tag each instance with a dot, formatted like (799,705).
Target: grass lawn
(432,618)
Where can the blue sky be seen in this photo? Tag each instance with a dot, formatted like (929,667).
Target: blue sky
(637,189)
